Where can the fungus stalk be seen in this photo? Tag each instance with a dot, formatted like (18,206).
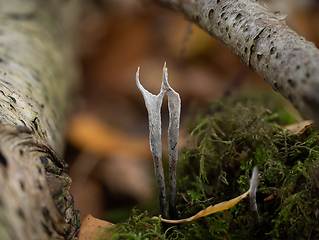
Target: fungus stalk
(153,104)
(174,108)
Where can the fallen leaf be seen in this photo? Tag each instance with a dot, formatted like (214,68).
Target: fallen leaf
(123,176)
(299,127)
(92,227)
(211,209)
(270,197)
(88,132)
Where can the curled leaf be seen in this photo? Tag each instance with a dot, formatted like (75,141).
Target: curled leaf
(225,205)
(211,209)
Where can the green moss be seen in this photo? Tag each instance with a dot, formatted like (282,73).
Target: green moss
(230,138)
(138,226)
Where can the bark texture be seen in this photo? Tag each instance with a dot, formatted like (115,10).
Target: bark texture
(37,79)
(263,41)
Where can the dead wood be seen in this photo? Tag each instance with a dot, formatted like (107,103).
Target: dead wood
(263,41)
(37,84)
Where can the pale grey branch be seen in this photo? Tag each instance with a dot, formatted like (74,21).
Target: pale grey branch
(263,41)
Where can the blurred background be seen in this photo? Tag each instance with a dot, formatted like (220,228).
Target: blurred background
(107,139)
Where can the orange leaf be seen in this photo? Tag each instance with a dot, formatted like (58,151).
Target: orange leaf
(299,127)
(88,132)
(92,227)
(209,210)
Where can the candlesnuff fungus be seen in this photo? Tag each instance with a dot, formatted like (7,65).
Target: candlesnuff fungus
(153,104)
(174,108)
(223,205)
(252,196)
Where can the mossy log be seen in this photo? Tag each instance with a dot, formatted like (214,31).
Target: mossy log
(37,83)
(263,41)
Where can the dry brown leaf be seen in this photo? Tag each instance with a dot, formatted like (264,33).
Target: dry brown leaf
(92,227)
(299,127)
(270,197)
(124,176)
(88,132)
(89,197)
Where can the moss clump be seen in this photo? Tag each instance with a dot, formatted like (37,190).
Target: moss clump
(240,133)
(139,226)
(234,135)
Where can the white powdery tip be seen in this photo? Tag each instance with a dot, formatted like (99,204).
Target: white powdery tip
(254,182)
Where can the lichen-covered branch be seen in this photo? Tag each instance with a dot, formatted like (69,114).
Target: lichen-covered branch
(37,83)
(35,202)
(263,41)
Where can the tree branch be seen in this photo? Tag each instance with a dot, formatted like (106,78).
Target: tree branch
(37,83)
(263,41)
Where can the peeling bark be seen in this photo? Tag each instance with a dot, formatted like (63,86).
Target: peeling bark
(263,41)
(37,82)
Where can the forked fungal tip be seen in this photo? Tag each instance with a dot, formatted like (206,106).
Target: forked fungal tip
(165,76)
(138,78)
